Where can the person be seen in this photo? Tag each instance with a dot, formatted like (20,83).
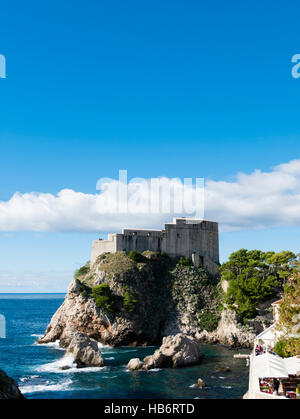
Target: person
(276,385)
(258,350)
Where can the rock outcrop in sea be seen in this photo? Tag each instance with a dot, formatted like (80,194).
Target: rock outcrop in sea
(85,351)
(9,388)
(175,352)
(125,301)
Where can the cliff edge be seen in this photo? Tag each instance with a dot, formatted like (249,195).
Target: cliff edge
(139,299)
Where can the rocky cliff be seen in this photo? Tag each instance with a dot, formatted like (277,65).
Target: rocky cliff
(9,388)
(122,300)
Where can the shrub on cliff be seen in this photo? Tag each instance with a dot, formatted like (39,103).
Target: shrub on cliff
(103,297)
(184,261)
(128,300)
(209,320)
(137,257)
(82,271)
(84,289)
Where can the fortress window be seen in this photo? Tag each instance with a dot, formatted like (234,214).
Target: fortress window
(178,235)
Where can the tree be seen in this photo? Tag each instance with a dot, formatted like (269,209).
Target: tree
(103,297)
(253,276)
(289,315)
(128,300)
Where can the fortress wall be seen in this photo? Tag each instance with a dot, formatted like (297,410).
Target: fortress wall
(184,239)
(142,240)
(181,238)
(103,246)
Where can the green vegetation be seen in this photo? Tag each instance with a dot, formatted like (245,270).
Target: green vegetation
(117,264)
(184,261)
(106,299)
(164,255)
(137,257)
(82,271)
(195,290)
(129,302)
(281,348)
(209,320)
(84,290)
(289,313)
(103,297)
(102,257)
(253,277)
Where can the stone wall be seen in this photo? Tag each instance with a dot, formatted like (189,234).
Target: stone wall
(183,237)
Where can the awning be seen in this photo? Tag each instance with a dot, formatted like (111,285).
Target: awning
(292,365)
(270,334)
(273,366)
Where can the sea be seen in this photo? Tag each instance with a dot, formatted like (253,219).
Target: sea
(37,368)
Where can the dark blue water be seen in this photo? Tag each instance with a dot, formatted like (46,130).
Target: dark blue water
(37,368)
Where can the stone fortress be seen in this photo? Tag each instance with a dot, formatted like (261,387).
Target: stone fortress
(188,237)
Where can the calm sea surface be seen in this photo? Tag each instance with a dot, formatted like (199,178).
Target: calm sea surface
(37,367)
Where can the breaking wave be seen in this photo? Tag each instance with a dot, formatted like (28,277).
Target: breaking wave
(66,365)
(47,386)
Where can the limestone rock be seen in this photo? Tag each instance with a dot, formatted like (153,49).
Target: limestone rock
(65,367)
(200,383)
(229,332)
(176,351)
(134,364)
(167,304)
(75,313)
(9,388)
(85,351)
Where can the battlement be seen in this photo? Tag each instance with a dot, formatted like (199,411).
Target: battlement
(188,237)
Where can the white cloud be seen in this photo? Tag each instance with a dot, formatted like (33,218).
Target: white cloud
(256,200)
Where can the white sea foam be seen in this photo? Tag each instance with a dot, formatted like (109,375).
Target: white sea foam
(154,370)
(53,345)
(196,386)
(66,361)
(47,386)
(29,378)
(84,370)
(34,335)
(56,366)
(226,387)
(100,345)
(109,358)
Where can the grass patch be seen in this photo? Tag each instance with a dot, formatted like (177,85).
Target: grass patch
(117,263)
(82,271)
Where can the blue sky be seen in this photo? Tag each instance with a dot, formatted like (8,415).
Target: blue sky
(160,88)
